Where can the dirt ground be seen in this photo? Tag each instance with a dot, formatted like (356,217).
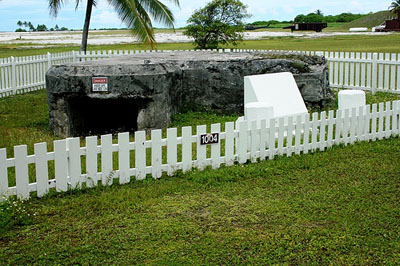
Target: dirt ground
(118,37)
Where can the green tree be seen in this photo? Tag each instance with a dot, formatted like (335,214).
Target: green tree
(319,12)
(41,27)
(299,18)
(395,6)
(31,27)
(219,22)
(135,13)
(19,23)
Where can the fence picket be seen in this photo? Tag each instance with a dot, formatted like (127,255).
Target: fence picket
(229,143)
(341,69)
(186,148)
(323,122)
(357,65)
(3,174)
(395,125)
(263,139)
(124,156)
(380,121)
(216,148)
(353,125)
(398,117)
(336,76)
(393,73)
(398,75)
(346,70)
(351,69)
(42,174)
(91,161)
(281,135)
(297,141)
(172,150)
(106,160)
(289,138)
(75,167)
(374,120)
(331,120)
(156,153)
(314,132)
(338,126)
(271,140)
(201,149)
(306,136)
(388,114)
(346,126)
(380,71)
(21,171)
(242,145)
(331,66)
(254,141)
(360,123)
(61,165)
(387,67)
(371,70)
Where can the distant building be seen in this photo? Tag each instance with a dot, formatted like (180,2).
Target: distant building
(390,24)
(315,26)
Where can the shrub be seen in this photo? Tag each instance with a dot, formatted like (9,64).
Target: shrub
(219,22)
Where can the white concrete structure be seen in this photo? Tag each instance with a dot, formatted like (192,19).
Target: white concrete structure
(257,111)
(348,99)
(278,90)
(358,29)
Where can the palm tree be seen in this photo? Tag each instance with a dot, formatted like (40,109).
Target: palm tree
(395,8)
(134,13)
(318,12)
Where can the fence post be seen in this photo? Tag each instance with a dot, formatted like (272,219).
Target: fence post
(48,60)
(110,53)
(374,72)
(73,56)
(13,76)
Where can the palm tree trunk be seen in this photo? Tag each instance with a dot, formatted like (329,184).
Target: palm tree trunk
(85,32)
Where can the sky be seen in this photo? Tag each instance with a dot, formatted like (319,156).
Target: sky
(103,16)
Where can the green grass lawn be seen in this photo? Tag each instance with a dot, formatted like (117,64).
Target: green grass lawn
(335,207)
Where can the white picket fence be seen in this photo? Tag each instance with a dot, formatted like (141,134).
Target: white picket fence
(352,70)
(70,166)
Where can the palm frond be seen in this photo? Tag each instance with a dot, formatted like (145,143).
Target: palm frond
(160,12)
(55,6)
(132,13)
(137,14)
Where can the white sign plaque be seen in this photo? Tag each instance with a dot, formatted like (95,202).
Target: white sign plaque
(100,84)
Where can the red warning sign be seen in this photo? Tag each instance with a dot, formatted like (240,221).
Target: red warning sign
(100,84)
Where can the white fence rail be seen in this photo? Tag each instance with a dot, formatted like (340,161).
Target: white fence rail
(352,70)
(102,160)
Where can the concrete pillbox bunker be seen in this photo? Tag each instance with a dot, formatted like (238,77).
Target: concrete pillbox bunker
(143,91)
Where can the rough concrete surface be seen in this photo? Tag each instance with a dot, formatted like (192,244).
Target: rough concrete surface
(146,89)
